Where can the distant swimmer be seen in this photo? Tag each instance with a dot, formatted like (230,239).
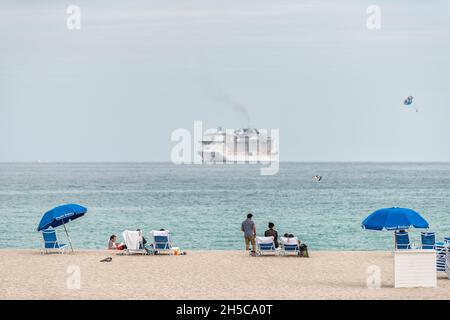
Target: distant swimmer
(317,178)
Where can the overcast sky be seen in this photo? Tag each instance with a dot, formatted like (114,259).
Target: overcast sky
(137,70)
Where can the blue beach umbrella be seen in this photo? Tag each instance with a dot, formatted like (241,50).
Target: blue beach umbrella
(60,216)
(394,219)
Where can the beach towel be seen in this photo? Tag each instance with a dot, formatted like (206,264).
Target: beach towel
(289,241)
(263,240)
(133,239)
(164,233)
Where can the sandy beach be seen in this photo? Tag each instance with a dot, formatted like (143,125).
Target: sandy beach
(26,274)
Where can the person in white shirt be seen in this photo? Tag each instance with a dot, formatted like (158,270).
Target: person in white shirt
(113,245)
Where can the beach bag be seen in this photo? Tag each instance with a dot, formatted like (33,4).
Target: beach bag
(304,251)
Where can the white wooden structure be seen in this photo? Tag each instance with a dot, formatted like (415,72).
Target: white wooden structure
(415,268)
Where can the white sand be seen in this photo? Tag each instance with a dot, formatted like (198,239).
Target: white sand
(26,274)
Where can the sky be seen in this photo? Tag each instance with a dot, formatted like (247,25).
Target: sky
(117,88)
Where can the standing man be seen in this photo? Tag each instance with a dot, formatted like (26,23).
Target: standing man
(249,229)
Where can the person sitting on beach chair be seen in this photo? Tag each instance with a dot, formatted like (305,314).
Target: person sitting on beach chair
(303,248)
(271,232)
(113,245)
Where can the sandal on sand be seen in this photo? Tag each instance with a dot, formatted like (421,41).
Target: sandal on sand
(109,259)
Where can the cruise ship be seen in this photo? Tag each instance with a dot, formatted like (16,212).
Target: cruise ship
(244,145)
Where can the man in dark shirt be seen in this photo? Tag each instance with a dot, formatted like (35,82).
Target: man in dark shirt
(272,233)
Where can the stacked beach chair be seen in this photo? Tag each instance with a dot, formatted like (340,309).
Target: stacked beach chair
(447,265)
(447,257)
(442,252)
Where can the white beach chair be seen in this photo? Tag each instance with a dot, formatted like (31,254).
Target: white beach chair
(265,245)
(289,246)
(161,241)
(134,242)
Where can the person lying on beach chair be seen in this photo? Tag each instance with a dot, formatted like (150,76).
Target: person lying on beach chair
(113,245)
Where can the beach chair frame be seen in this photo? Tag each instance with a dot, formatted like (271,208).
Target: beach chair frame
(265,247)
(135,251)
(51,243)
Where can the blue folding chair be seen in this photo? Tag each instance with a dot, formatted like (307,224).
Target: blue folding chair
(428,240)
(161,241)
(51,243)
(402,240)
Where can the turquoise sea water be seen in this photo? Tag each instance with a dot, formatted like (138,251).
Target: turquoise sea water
(203,205)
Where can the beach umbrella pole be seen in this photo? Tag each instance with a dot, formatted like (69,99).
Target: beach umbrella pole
(68,237)
(395,242)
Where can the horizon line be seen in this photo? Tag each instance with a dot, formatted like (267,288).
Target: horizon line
(220,163)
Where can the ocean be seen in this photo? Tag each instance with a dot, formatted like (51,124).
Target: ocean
(204,205)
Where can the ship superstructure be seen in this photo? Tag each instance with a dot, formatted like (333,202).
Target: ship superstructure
(245,145)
